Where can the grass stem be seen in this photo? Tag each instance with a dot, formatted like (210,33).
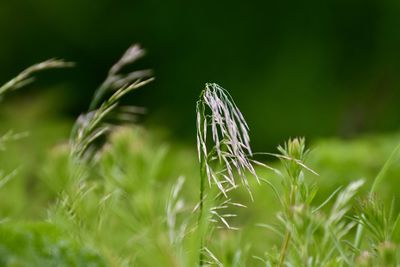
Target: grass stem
(203,177)
(284,248)
(286,241)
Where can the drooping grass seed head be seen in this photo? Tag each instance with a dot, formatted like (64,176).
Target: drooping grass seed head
(229,147)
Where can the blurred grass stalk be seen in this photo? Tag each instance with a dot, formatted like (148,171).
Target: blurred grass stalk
(21,80)
(25,77)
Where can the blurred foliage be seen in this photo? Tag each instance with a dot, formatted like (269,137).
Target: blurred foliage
(147,166)
(338,161)
(44,130)
(315,68)
(42,244)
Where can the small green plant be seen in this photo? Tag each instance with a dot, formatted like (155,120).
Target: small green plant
(382,226)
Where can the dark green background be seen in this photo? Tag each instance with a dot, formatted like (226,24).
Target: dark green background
(312,68)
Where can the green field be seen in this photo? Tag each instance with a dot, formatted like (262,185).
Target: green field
(107,191)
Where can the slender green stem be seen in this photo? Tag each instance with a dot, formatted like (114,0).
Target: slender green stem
(201,207)
(284,248)
(285,244)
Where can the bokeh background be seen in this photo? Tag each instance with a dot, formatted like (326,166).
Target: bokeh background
(313,68)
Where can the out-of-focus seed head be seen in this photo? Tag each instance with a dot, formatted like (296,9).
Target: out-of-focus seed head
(293,152)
